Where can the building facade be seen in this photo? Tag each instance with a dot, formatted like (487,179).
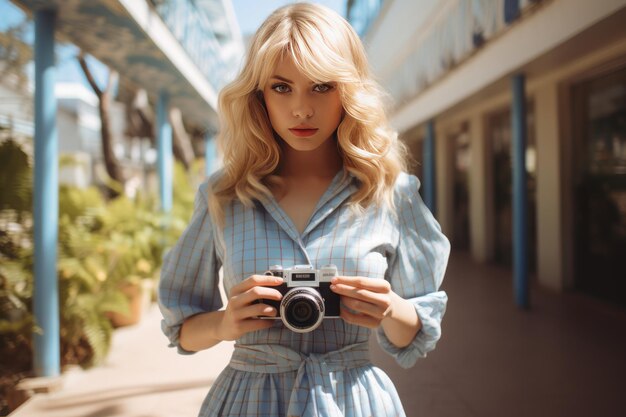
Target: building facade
(453,71)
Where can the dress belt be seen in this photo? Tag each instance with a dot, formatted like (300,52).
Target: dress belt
(277,358)
(314,372)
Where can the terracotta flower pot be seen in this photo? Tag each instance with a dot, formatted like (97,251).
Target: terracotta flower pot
(139,298)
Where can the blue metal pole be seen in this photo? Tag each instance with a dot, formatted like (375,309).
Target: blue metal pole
(511,10)
(209,154)
(520,198)
(164,150)
(429,167)
(46,344)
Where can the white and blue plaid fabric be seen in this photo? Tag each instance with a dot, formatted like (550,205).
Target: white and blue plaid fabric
(327,372)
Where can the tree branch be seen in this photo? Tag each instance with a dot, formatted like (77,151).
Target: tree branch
(90,79)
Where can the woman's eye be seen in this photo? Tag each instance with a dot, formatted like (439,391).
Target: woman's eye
(280,88)
(323,88)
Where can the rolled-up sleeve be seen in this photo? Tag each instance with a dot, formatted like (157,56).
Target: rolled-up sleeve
(416,271)
(189,276)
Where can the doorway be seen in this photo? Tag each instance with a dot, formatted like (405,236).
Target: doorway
(599,110)
(461,230)
(415,144)
(500,137)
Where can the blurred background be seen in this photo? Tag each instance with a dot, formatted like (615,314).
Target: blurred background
(514,112)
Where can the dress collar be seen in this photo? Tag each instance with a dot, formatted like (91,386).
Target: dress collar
(342,186)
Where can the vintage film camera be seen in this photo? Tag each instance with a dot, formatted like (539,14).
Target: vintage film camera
(307,297)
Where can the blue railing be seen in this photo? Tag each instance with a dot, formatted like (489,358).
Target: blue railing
(455,29)
(18,126)
(361,14)
(192,27)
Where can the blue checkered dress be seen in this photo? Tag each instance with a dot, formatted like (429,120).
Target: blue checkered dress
(276,372)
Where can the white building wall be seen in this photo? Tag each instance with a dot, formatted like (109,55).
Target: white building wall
(16,109)
(386,44)
(549,185)
(479,211)
(68,132)
(524,41)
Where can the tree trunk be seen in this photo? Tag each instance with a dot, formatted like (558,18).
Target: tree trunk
(139,116)
(113,167)
(183,151)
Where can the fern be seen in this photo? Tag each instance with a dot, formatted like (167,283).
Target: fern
(15,178)
(103,245)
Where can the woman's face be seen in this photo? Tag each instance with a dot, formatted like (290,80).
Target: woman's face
(303,113)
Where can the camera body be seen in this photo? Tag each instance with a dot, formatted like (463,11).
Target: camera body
(307,297)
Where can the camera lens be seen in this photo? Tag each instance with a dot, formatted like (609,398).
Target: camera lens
(302,309)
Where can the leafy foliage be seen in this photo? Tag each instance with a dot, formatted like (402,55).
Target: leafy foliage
(15,178)
(103,245)
(15,52)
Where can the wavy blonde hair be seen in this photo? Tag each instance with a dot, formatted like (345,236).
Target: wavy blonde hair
(325,48)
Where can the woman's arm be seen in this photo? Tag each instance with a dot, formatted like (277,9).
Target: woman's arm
(199,332)
(205,330)
(403,323)
(371,303)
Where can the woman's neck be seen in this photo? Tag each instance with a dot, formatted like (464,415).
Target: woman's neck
(324,161)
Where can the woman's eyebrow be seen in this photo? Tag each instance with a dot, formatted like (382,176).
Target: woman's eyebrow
(281,78)
(278,77)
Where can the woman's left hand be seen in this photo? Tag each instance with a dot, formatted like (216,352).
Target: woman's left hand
(368,300)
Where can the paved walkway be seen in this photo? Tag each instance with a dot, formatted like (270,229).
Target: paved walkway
(564,357)
(142,377)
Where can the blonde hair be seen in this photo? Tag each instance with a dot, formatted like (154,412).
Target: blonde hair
(325,48)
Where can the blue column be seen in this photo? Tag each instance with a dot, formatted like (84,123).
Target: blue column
(511,10)
(428,174)
(46,344)
(209,153)
(520,198)
(164,150)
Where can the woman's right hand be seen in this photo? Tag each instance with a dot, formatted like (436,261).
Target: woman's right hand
(242,312)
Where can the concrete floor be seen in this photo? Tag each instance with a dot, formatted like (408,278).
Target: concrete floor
(564,357)
(142,377)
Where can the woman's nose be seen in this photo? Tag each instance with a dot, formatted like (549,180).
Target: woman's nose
(303,109)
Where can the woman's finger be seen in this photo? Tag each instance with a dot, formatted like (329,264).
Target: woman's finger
(372,284)
(359,319)
(365,308)
(255,281)
(380,299)
(256,293)
(255,310)
(252,325)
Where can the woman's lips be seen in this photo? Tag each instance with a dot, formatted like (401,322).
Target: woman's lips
(303,132)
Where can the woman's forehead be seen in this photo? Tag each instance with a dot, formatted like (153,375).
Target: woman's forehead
(287,69)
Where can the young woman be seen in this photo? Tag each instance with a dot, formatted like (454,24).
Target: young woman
(312,175)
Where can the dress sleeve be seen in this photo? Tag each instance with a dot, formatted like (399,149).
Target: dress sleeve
(189,275)
(416,271)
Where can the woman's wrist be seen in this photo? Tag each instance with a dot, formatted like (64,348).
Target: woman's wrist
(402,324)
(201,331)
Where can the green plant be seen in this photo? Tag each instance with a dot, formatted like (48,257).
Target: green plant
(15,179)
(85,295)
(106,245)
(103,245)
(16,320)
